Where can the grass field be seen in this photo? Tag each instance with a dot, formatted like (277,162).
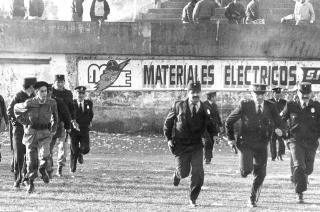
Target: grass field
(134,173)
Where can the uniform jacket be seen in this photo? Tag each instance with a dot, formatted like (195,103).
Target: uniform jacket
(3,110)
(106,10)
(235,12)
(214,114)
(36,116)
(304,124)
(279,104)
(63,113)
(187,13)
(179,128)
(84,118)
(252,11)
(18,98)
(255,129)
(204,9)
(67,97)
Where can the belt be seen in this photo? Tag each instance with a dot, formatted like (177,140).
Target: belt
(40,126)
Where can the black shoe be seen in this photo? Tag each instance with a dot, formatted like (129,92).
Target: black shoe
(252,203)
(80,158)
(45,176)
(192,203)
(300,198)
(30,187)
(207,161)
(176,180)
(50,175)
(59,171)
(280,157)
(292,179)
(16,185)
(273,159)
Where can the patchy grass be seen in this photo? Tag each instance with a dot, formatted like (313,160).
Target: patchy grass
(134,173)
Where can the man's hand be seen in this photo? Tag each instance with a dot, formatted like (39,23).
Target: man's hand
(282,20)
(215,139)
(231,143)
(278,132)
(75,125)
(170,144)
(68,130)
(53,133)
(90,125)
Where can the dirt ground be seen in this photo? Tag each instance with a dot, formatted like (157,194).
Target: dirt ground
(134,173)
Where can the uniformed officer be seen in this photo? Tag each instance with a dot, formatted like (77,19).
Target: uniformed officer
(19,149)
(280,104)
(183,128)
(80,142)
(39,116)
(64,116)
(59,91)
(215,117)
(258,118)
(304,124)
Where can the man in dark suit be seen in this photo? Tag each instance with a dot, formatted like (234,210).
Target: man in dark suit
(215,117)
(80,144)
(304,124)
(280,104)
(183,128)
(19,149)
(258,119)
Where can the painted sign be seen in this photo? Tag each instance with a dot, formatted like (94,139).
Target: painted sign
(136,74)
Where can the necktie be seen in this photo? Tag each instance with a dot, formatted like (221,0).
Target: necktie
(304,105)
(80,107)
(259,109)
(194,110)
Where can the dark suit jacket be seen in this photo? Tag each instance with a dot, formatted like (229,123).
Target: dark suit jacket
(84,118)
(279,105)
(255,129)
(177,124)
(304,124)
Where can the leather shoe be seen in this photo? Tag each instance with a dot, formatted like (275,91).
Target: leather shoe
(192,203)
(30,187)
(252,202)
(176,180)
(59,171)
(16,185)
(80,158)
(207,161)
(45,176)
(300,198)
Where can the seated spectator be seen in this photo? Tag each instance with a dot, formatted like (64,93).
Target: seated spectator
(303,13)
(187,12)
(77,10)
(204,10)
(18,9)
(99,10)
(157,4)
(235,12)
(34,9)
(253,13)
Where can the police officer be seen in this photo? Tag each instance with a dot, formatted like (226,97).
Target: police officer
(64,116)
(183,128)
(258,118)
(19,149)
(215,117)
(80,144)
(39,116)
(59,91)
(304,124)
(280,104)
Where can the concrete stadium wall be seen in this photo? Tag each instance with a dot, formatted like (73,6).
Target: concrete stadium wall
(48,47)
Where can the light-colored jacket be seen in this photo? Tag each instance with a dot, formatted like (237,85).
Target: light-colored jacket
(304,12)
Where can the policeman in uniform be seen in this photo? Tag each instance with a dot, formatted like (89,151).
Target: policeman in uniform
(280,104)
(80,144)
(304,124)
(258,118)
(64,116)
(215,117)
(183,128)
(19,149)
(59,91)
(39,116)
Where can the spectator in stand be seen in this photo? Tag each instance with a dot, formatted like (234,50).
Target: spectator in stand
(34,9)
(157,3)
(99,10)
(235,12)
(18,9)
(303,13)
(204,10)
(187,12)
(77,10)
(253,13)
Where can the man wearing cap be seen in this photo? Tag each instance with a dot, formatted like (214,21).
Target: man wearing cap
(80,144)
(304,125)
(19,149)
(258,118)
(280,104)
(39,116)
(59,91)
(215,117)
(64,116)
(183,128)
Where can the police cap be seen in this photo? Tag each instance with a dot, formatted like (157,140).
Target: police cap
(59,77)
(27,82)
(194,86)
(81,89)
(259,88)
(276,90)
(305,87)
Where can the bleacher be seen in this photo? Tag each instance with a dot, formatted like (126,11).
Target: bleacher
(271,10)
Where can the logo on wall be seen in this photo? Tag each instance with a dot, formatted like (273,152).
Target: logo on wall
(110,74)
(311,74)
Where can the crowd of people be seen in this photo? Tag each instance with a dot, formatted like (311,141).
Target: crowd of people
(192,124)
(34,9)
(40,116)
(202,11)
